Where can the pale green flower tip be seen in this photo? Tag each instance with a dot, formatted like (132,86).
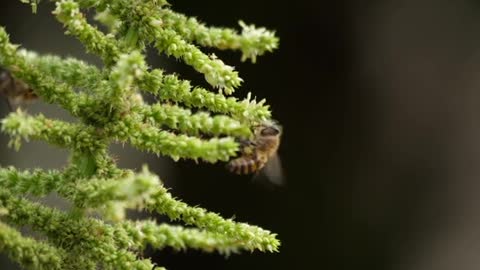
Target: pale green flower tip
(66,9)
(19,124)
(256,41)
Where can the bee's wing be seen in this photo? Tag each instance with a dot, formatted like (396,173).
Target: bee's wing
(273,171)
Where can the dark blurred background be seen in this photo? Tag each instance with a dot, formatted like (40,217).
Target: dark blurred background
(380,105)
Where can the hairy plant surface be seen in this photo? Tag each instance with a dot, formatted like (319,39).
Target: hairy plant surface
(109,108)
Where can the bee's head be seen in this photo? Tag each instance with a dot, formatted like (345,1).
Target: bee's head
(268,128)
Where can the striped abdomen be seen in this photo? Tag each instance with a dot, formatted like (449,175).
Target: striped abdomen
(245,165)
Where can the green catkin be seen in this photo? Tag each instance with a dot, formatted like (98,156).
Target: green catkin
(185,122)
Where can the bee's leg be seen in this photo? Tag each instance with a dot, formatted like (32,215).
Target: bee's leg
(245,143)
(246,146)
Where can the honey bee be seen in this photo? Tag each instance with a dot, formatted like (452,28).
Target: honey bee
(260,153)
(15,90)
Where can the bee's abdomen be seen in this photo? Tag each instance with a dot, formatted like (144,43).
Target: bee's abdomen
(243,165)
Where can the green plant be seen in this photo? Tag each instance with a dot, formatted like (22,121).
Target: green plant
(109,107)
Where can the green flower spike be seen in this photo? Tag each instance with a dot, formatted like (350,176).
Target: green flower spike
(185,122)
